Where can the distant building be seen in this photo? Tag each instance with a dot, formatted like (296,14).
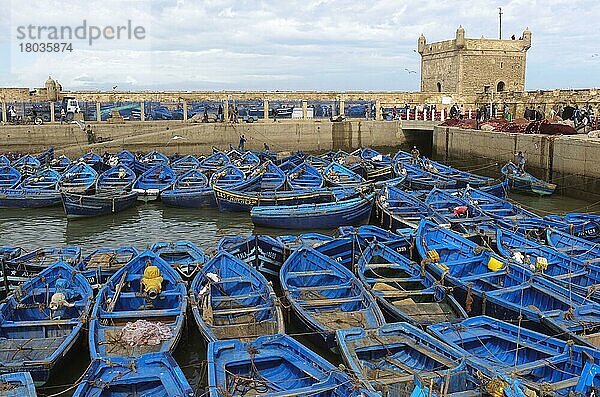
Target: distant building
(471,66)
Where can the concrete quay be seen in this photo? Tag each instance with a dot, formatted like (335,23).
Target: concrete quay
(177,136)
(572,162)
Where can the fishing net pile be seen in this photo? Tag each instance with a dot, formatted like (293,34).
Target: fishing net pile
(522,126)
(142,332)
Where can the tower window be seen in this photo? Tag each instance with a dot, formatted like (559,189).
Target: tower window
(439,86)
(500,86)
(501,64)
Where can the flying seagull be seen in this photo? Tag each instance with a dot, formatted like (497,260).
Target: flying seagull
(410,71)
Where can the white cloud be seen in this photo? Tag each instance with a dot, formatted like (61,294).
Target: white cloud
(295,44)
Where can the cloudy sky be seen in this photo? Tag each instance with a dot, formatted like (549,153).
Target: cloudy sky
(288,45)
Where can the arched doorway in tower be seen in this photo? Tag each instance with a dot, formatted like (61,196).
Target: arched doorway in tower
(439,86)
(500,87)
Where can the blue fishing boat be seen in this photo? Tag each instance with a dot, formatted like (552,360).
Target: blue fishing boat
(231,300)
(292,243)
(314,216)
(485,283)
(105,203)
(153,182)
(100,264)
(403,291)
(373,155)
(419,179)
(8,253)
(336,174)
(264,253)
(267,177)
(563,269)
(118,178)
(28,198)
(155,158)
(227,176)
(153,374)
(275,366)
(540,362)
(247,162)
(582,225)
(60,164)
(9,177)
(19,270)
(191,190)
(4,161)
(499,190)
(46,179)
(318,163)
(127,158)
(402,242)
(79,178)
(233,199)
(463,178)
(184,256)
(17,384)
(304,176)
(42,320)
(522,181)
(215,162)
(325,296)
(46,156)
(397,209)
(146,296)
(93,160)
(27,165)
(576,247)
(389,358)
(589,380)
(185,164)
(455,210)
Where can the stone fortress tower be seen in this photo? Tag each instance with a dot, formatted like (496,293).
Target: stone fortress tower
(473,66)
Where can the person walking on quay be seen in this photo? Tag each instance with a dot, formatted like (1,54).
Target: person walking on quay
(367,112)
(414,155)
(520,160)
(63,115)
(91,137)
(12,114)
(266,147)
(242,142)
(220,113)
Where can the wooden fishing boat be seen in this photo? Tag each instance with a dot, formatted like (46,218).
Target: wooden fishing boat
(419,179)
(46,156)
(336,174)
(191,190)
(17,384)
(267,177)
(589,381)
(185,164)
(389,358)
(325,296)
(27,165)
(106,203)
(28,198)
(582,225)
(463,178)
(93,160)
(19,270)
(231,300)
(227,176)
(402,242)
(318,163)
(120,177)
(184,256)
(60,164)
(79,178)
(46,179)
(499,190)
(291,243)
(146,294)
(314,216)
(152,374)
(263,253)
(447,206)
(215,162)
(563,269)
(100,264)
(233,199)
(275,366)
(522,181)
(42,320)
(575,247)
(153,182)
(9,177)
(155,158)
(304,176)
(127,158)
(485,283)
(4,161)
(397,209)
(8,253)
(247,162)
(403,291)
(539,362)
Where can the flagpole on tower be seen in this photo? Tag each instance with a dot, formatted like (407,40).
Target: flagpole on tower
(500,25)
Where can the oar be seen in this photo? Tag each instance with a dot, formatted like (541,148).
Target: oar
(113,302)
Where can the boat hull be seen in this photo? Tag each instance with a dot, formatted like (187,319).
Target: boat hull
(189,198)
(15,198)
(231,200)
(81,206)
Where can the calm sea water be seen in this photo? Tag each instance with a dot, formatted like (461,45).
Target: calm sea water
(146,224)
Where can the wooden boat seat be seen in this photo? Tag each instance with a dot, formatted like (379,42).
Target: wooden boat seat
(325,287)
(312,273)
(140,313)
(239,310)
(571,275)
(330,302)
(15,324)
(228,298)
(139,295)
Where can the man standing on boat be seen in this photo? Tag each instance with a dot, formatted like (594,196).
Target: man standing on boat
(414,155)
(520,160)
(242,142)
